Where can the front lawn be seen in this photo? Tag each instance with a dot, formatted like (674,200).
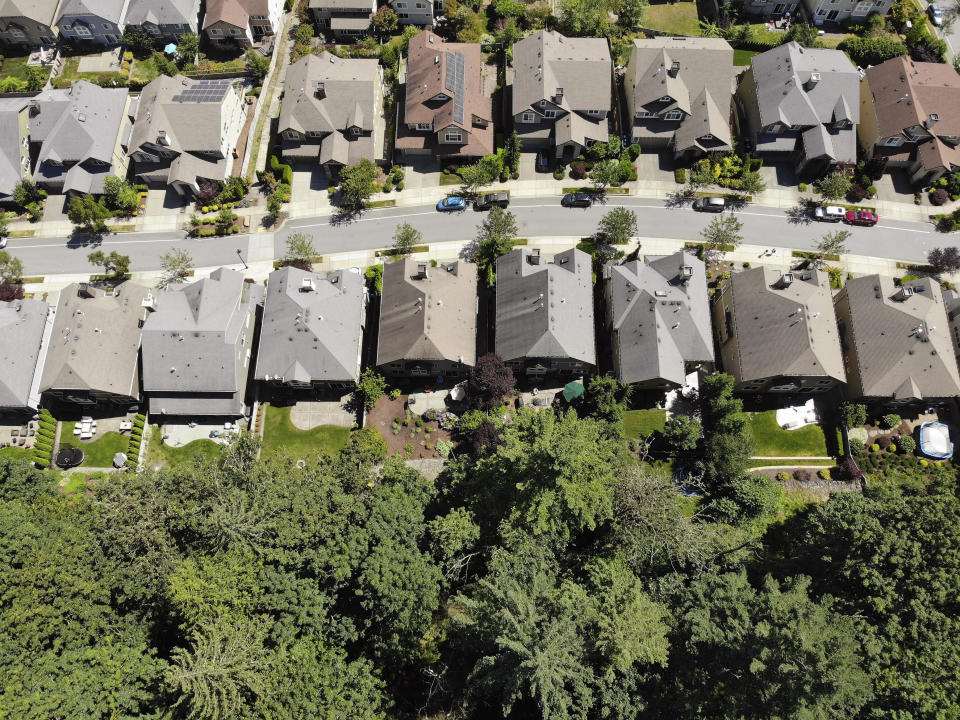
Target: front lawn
(279,434)
(98,453)
(678,17)
(770,439)
(642,423)
(174,456)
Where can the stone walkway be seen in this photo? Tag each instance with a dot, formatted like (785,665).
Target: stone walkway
(311,414)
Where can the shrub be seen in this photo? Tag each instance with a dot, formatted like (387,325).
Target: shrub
(578,171)
(558,173)
(802,187)
(892,448)
(285,171)
(891,420)
(884,441)
(634,151)
(875,448)
(680,175)
(783,476)
(939,197)
(746,264)
(857,193)
(924,463)
(802,475)
(856,446)
(907,445)
(823,474)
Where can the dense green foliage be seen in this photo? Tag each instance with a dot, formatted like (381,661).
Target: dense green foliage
(546,574)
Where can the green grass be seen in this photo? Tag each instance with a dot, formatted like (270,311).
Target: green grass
(791,463)
(17,453)
(74,483)
(98,453)
(450,179)
(221,64)
(380,204)
(280,435)
(770,439)
(679,17)
(637,423)
(22,233)
(71,70)
(742,57)
(16,67)
(144,70)
(174,456)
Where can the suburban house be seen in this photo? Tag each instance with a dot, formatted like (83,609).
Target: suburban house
(658,315)
(836,11)
(28,23)
(447,100)
(679,92)
(196,347)
(94,347)
(910,117)
(777,332)
(242,22)
(544,321)
(417,12)
(896,341)
(311,333)
(79,135)
(14,145)
(771,8)
(186,131)
(802,106)
(428,319)
(343,20)
(166,20)
(332,111)
(562,92)
(22,351)
(92,21)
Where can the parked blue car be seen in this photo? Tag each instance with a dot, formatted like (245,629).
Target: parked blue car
(452,203)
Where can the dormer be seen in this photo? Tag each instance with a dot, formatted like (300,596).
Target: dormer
(321,91)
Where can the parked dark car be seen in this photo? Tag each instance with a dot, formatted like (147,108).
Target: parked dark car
(577,200)
(488,200)
(710,204)
(862,217)
(543,161)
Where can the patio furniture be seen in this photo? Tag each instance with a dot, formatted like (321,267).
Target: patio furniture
(32,432)
(76,429)
(86,435)
(22,441)
(14,432)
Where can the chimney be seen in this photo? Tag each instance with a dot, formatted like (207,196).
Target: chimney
(558,96)
(931,120)
(306,285)
(786,280)
(162,137)
(674,68)
(534,257)
(686,272)
(321,90)
(422,271)
(904,293)
(148,302)
(812,82)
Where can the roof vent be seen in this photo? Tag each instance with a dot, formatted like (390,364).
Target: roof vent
(436,59)
(931,120)
(674,68)
(904,293)
(558,95)
(81,117)
(306,285)
(786,280)
(321,90)
(148,301)
(430,38)
(534,257)
(162,137)
(811,83)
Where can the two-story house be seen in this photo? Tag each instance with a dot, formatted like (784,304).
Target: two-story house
(186,131)
(562,89)
(311,334)
(99,22)
(777,331)
(417,12)
(447,107)
(14,144)
(332,112)
(196,347)
(896,342)
(658,317)
(165,20)
(428,320)
(241,22)
(343,20)
(27,24)
(23,347)
(93,358)
(544,317)
(910,117)
(829,12)
(679,92)
(802,106)
(79,136)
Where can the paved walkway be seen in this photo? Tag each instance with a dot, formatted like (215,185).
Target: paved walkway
(310,414)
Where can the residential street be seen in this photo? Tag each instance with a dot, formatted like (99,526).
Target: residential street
(536,217)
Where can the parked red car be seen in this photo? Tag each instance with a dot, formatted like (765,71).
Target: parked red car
(862,217)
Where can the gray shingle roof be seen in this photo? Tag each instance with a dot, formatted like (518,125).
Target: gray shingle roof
(785,330)
(660,320)
(428,318)
(901,348)
(162,12)
(350,89)
(547,60)
(545,310)
(113,10)
(312,333)
(95,341)
(21,332)
(43,11)
(10,170)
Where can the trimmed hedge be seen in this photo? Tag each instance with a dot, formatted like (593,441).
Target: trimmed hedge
(286,172)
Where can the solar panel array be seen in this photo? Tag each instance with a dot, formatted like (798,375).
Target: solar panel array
(454,82)
(204,91)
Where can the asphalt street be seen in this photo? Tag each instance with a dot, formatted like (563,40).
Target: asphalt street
(536,217)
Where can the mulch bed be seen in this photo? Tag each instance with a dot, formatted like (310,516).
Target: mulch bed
(381,417)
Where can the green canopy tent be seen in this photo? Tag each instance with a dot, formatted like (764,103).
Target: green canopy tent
(573,390)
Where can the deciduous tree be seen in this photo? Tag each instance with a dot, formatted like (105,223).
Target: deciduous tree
(175,267)
(405,238)
(357,183)
(723,234)
(618,226)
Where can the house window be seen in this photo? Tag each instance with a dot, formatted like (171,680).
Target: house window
(595,113)
(832,15)
(293,134)
(16,33)
(82,30)
(894,141)
(152,29)
(420,6)
(234,31)
(528,117)
(401,5)
(542,103)
(310,133)
(107,26)
(644,115)
(424,126)
(453,137)
(216,31)
(673,115)
(666,98)
(549,114)
(708,136)
(863,8)
(354,131)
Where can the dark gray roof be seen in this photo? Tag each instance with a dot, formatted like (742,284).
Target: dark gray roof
(788,330)
(545,310)
(661,318)
(428,318)
(113,10)
(350,92)
(902,348)
(21,332)
(195,339)
(312,326)
(95,341)
(10,169)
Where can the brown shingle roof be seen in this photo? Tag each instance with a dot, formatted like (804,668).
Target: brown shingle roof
(905,93)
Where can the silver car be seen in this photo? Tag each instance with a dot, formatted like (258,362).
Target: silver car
(936,14)
(829,213)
